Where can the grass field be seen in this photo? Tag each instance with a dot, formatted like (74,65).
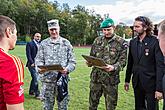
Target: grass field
(78,86)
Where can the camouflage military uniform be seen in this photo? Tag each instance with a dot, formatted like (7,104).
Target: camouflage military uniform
(114,52)
(52,52)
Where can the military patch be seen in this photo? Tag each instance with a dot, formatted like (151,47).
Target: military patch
(125,44)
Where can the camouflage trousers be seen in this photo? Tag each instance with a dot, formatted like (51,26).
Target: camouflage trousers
(48,94)
(110,93)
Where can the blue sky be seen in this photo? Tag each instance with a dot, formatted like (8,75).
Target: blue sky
(123,10)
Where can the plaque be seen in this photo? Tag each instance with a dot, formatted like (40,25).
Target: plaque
(98,62)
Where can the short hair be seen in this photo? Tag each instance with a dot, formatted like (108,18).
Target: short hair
(146,22)
(32,37)
(4,23)
(161,26)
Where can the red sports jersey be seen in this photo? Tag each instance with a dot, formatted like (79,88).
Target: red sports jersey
(11,80)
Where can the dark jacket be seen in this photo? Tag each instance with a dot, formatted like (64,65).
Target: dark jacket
(148,69)
(31,51)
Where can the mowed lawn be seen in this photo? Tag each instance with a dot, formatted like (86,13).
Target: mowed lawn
(78,85)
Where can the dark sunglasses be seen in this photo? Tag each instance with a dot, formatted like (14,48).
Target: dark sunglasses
(142,19)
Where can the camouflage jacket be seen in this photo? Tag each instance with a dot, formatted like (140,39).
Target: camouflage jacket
(52,52)
(114,52)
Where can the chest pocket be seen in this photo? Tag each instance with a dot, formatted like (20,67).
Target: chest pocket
(99,50)
(109,52)
(113,53)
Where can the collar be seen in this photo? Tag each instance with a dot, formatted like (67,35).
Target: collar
(146,40)
(112,38)
(55,41)
(1,49)
(35,41)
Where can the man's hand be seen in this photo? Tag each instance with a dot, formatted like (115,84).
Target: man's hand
(126,86)
(108,68)
(158,95)
(64,71)
(42,70)
(32,65)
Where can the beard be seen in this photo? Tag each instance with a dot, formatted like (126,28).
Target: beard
(139,33)
(38,41)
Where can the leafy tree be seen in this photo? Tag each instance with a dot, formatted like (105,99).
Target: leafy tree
(123,31)
(79,25)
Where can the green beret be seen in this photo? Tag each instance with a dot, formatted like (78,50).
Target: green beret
(107,23)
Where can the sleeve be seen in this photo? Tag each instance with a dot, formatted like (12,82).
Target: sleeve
(159,66)
(71,59)
(129,65)
(39,59)
(13,83)
(28,53)
(13,92)
(92,51)
(120,64)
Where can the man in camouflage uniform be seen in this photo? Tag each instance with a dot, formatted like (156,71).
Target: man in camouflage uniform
(54,50)
(113,50)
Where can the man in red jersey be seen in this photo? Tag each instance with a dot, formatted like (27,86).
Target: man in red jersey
(11,68)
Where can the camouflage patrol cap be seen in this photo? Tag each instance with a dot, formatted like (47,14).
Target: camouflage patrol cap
(107,23)
(54,23)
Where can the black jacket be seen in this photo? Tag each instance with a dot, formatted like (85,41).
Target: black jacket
(31,51)
(149,67)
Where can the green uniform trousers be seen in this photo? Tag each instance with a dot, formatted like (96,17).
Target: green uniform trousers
(110,93)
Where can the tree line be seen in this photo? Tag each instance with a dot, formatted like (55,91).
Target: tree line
(79,25)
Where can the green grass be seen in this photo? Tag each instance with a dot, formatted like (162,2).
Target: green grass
(78,86)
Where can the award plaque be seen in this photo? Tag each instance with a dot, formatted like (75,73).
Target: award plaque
(55,67)
(98,62)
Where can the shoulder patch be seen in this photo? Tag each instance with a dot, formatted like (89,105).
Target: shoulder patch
(125,44)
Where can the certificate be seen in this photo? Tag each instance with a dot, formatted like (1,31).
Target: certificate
(98,62)
(55,67)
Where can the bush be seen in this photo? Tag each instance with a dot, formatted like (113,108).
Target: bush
(27,38)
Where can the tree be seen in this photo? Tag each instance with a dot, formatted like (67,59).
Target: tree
(123,31)
(79,25)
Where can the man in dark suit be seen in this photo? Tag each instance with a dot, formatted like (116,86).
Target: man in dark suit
(145,65)
(31,51)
